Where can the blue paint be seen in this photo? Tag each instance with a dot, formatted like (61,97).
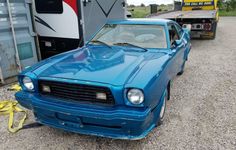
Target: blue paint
(119,69)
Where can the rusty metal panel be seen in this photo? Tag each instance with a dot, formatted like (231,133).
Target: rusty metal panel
(17,39)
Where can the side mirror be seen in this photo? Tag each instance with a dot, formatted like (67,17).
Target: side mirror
(188,30)
(177,43)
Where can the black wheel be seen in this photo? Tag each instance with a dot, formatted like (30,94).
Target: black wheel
(182,70)
(214,31)
(168,90)
(163,109)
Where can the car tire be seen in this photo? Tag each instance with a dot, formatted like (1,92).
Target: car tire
(182,70)
(214,31)
(163,110)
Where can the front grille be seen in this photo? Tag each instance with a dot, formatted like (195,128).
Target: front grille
(76,92)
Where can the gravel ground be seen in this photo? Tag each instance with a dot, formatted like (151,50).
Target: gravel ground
(201,114)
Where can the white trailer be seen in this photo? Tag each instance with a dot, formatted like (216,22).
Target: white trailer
(64,25)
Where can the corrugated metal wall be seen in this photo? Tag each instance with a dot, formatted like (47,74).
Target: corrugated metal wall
(17,39)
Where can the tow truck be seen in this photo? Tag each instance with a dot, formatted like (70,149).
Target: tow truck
(199,16)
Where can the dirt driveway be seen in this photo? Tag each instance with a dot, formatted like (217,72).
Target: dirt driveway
(201,114)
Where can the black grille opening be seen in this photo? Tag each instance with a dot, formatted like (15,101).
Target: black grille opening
(76,92)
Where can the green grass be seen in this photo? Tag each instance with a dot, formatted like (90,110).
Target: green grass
(139,12)
(225,13)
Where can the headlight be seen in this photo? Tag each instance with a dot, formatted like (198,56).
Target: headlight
(135,96)
(28,83)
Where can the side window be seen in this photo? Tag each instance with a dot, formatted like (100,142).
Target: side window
(179,30)
(49,6)
(173,33)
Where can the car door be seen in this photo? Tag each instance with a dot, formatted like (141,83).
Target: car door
(177,50)
(185,37)
(182,47)
(187,41)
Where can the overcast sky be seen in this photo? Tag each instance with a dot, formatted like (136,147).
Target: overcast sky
(147,2)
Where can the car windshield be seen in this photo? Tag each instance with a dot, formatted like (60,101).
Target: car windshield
(145,36)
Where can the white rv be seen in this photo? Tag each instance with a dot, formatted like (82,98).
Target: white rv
(64,25)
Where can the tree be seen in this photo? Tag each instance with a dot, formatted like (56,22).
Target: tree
(233,4)
(220,4)
(142,5)
(227,6)
(132,5)
(230,5)
(162,5)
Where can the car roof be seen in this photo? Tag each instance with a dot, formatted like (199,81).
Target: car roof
(147,21)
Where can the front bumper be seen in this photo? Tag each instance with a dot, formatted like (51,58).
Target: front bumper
(112,122)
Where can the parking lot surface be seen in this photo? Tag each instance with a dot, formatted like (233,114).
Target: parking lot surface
(200,115)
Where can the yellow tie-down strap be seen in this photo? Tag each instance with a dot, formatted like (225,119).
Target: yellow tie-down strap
(10,107)
(15,87)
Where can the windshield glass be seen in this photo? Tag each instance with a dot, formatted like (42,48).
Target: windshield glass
(146,36)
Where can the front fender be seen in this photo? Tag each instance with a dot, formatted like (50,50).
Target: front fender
(153,79)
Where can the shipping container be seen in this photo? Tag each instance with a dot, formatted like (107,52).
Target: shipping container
(17,38)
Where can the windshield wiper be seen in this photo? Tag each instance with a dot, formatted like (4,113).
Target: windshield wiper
(101,42)
(132,45)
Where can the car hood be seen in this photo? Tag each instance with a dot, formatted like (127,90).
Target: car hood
(101,64)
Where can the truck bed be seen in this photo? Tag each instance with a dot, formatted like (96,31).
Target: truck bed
(208,14)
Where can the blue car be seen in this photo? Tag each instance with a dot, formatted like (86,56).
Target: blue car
(116,86)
